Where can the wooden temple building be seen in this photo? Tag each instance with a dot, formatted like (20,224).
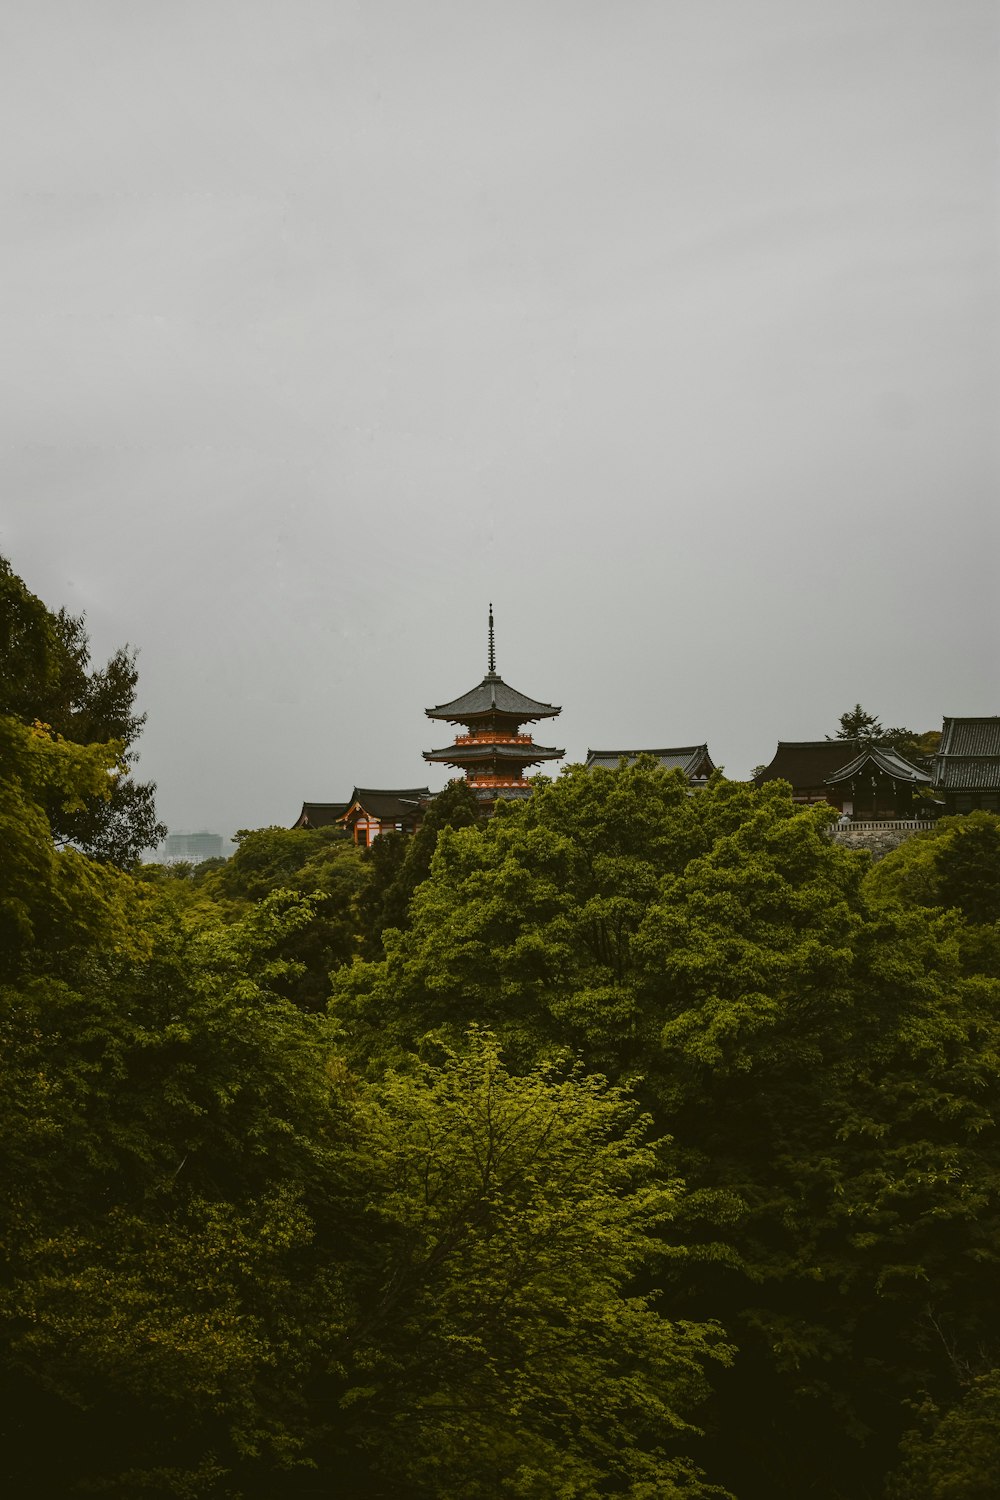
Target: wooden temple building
(320,814)
(369,812)
(858,778)
(493,752)
(694,760)
(967,765)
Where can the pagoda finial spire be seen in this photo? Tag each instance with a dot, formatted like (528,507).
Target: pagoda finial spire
(493,655)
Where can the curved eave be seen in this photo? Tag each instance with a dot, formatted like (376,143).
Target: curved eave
(475,755)
(489,698)
(891,765)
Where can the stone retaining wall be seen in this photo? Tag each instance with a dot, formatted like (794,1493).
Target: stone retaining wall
(880,841)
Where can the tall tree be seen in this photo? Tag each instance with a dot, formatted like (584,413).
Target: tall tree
(399,865)
(47,677)
(822,1063)
(858,724)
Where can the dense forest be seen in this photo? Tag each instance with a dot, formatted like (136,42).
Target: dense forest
(629,1142)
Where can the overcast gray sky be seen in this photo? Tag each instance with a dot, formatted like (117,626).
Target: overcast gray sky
(671,326)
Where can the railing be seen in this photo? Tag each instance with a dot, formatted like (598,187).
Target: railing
(911,825)
(493,739)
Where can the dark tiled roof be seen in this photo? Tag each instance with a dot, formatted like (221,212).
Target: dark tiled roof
(808,763)
(889,762)
(968,757)
(970,737)
(493,695)
(380,802)
(686,758)
(320,814)
(968,773)
(460,755)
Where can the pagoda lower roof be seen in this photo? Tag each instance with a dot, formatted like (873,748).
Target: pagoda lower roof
(493,696)
(470,755)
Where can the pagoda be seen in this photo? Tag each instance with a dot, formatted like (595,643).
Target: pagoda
(493,752)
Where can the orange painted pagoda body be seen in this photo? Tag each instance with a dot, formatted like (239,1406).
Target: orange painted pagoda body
(493,752)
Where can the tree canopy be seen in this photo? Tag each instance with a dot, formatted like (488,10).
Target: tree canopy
(229,1266)
(858,724)
(46,677)
(632,1142)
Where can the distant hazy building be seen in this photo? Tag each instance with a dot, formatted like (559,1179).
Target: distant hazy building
(190,848)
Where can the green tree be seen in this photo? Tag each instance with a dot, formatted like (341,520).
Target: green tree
(47,677)
(400,864)
(858,724)
(228,1266)
(968,867)
(170,1130)
(316,862)
(54,905)
(954,1454)
(957,864)
(919,749)
(503,1353)
(825,1065)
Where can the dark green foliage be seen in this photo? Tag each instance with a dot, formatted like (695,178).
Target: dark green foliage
(500,1356)
(954,1454)
(229,1269)
(399,865)
(422,1246)
(957,866)
(827,1074)
(968,868)
(859,724)
(46,676)
(320,863)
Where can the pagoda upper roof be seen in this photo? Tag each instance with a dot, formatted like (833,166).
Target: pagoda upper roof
(461,755)
(493,696)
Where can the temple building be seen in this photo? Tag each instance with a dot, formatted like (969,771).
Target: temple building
(693,760)
(860,779)
(320,814)
(967,765)
(493,752)
(370,812)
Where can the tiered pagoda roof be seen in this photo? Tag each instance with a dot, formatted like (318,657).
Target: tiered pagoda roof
(493,696)
(494,754)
